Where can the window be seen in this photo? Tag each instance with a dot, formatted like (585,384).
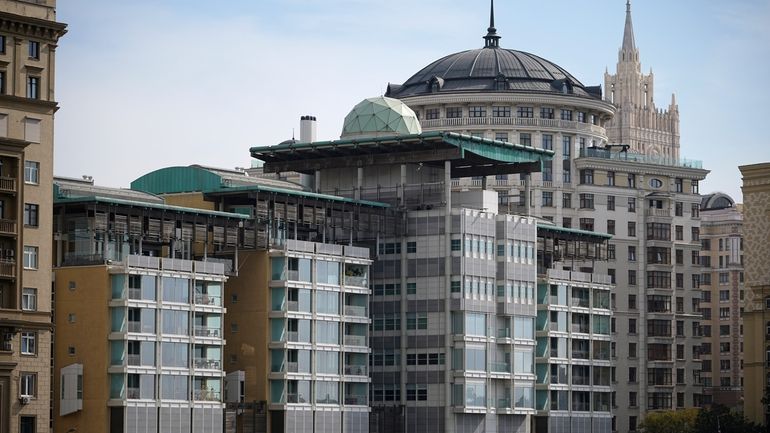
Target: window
(566,222)
(30,257)
(631,180)
(27,424)
(525,139)
(32,172)
(724,312)
(566,114)
(28,384)
(587,224)
(611,227)
(611,251)
(547,141)
(631,253)
(28,343)
(724,364)
(33,87)
(415,392)
(29,299)
(678,185)
(632,326)
(695,234)
(454,112)
(2,44)
(501,136)
(678,209)
(34,50)
(724,330)
(632,374)
(581,117)
(631,277)
(411,247)
(548,198)
(2,82)
(477,112)
(566,200)
(586,177)
(416,321)
(525,112)
(546,113)
(31,214)
(631,204)
(610,202)
(694,187)
(586,201)
(501,111)
(431,114)
(679,230)
(632,229)
(610,178)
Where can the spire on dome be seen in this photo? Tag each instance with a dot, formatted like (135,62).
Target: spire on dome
(491,40)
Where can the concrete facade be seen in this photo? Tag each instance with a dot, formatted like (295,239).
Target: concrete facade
(28,37)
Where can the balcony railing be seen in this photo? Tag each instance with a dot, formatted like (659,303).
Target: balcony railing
(355,370)
(132,393)
(580,328)
(133,359)
(134,326)
(207,331)
(658,212)
(633,157)
(292,305)
(7,227)
(504,333)
(207,364)
(7,184)
(355,340)
(503,403)
(292,367)
(581,380)
(8,268)
(500,367)
(580,302)
(356,281)
(207,395)
(579,354)
(355,400)
(356,311)
(206,299)
(516,121)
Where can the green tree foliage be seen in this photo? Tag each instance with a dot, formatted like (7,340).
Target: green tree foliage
(672,421)
(720,419)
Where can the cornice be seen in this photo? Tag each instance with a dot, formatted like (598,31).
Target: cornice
(511,98)
(34,27)
(642,168)
(26,104)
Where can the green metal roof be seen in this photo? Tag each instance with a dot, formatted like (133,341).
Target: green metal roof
(380,116)
(143,204)
(578,232)
(173,180)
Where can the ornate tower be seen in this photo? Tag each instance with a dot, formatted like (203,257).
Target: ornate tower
(638,123)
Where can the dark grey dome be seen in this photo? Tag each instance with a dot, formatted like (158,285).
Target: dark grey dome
(492,69)
(717,200)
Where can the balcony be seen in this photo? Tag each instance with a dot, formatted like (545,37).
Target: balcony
(580,380)
(292,367)
(580,302)
(503,403)
(7,268)
(134,359)
(7,227)
(355,370)
(581,328)
(356,281)
(207,395)
(134,326)
(514,121)
(355,340)
(580,354)
(500,367)
(206,299)
(292,305)
(7,184)
(132,393)
(355,400)
(355,311)
(504,333)
(207,364)
(666,213)
(207,331)
(633,157)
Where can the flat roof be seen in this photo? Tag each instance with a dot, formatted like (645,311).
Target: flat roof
(298,193)
(144,204)
(469,156)
(598,236)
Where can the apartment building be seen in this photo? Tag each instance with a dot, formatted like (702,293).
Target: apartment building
(28,37)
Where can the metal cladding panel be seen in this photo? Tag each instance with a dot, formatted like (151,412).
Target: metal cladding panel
(355,422)
(328,422)
(141,420)
(299,421)
(177,179)
(175,420)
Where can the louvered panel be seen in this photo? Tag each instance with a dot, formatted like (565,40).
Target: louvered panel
(291,212)
(232,236)
(219,235)
(120,224)
(280,211)
(168,229)
(187,231)
(100,221)
(135,225)
(200,232)
(262,209)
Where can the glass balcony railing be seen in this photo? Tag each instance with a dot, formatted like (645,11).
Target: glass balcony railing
(504,333)
(207,395)
(355,311)
(500,367)
(355,340)
(579,354)
(133,359)
(356,281)
(355,370)
(503,403)
(207,331)
(355,400)
(134,326)
(132,393)
(207,364)
(206,299)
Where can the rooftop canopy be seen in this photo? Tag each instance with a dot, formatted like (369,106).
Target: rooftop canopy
(469,156)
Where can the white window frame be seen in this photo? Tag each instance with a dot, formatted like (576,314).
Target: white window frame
(31,257)
(32,172)
(28,384)
(29,299)
(29,343)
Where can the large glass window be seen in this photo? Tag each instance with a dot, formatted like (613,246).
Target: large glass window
(475,394)
(327,392)
(327,332)
(299,269)
(327,302)
(523,361)
(32,172)
(523,396)
(328,272)
(30,257)
(174,355)
(176,290)
(524,327)
(475,358)
(174,387)
(475,324)
(175,322)
(327,362)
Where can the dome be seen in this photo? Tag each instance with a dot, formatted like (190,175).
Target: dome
(380,116)
(492,69)
(715,201)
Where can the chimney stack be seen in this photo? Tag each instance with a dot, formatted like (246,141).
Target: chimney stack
(307,129)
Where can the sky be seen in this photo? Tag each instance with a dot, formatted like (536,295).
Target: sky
(148,84)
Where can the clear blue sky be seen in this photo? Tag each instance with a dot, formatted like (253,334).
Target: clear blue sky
(145,84)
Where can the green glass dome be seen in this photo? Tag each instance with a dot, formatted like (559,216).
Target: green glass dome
(380,116)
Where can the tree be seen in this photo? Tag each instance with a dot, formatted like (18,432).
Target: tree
(672,421)
(720,419)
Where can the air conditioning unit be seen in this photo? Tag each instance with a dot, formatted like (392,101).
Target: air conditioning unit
(24,400)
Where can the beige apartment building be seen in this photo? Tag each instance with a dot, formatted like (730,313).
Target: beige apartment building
(722,285)
(756,317)
(28,37)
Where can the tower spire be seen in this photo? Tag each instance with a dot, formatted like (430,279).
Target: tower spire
(629,45)
(491,40)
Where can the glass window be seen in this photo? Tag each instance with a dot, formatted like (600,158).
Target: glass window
(32,172)
(328,272)
(34,50)
(30,257)
(174,387)
(431,113)
(566,114)
(33,87)
(327,332)
(29,299)
(176,290)
(454,112)
(477,111)
(501,111)
(475,394)
(475,324)
(327,362)
(174,322)
(546,113)
(31,214)
(523,361)
(327,302)
(28,343)
(28,384)
(174,354)
(526,112)
(327,392)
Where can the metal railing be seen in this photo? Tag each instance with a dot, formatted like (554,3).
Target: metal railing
(356,281)
(133,359)
(206,299)
(134,326)
(355,340)
(7,226)
(500,367)
(8,268)
(207,364)
(207,395)
(132,393)
(355,400)
(356,311)
(206,331)
(355,370)
(635,157)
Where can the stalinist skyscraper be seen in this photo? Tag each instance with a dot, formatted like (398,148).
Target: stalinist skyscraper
(638,122)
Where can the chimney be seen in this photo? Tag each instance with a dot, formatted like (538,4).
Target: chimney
(307,129)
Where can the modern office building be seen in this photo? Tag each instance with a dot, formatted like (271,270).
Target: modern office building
(297,322)
(28,37)
(139,311)
(453,292)
(756,317)
(722,285)
(640,192)
(574,362)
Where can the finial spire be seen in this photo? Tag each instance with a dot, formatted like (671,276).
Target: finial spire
(629,45)
(628,6)
(491,40)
